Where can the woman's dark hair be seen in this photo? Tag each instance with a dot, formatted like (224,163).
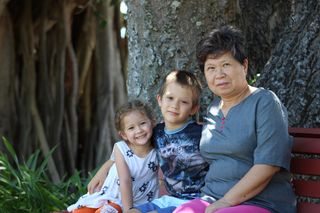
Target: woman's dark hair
(220,41)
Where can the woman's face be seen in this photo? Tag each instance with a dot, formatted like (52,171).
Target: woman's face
(225,76)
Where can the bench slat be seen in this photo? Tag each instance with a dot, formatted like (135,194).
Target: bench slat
(305,166)
(306,145)
(307,188)
(305,132)
(308,207)
(306,141)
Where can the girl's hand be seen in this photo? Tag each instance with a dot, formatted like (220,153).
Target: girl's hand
(219,204)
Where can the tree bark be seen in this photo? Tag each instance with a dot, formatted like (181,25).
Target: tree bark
(61,80)
(293,70)
(163,36)
(7,74)
(109,85)
(26,49)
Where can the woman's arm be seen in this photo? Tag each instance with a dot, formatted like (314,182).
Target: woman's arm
(255,180)
(97,181)
(125,180)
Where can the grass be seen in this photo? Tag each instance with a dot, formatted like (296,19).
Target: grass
(25,186)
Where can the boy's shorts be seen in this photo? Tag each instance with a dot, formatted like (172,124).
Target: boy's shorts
(164,204)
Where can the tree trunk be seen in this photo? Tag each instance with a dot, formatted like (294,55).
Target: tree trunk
(61,79)
(163,36)
(293,70)
(108,87)
(7,73)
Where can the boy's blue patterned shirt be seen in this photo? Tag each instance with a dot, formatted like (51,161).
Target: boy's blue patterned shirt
(183,167)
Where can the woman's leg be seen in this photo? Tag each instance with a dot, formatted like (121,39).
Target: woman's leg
(193,206)
(199,206)
(243,209)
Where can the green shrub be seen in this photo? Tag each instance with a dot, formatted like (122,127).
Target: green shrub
(25,186)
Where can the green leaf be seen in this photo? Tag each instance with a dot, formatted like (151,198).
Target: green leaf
(10,149)
(26,187)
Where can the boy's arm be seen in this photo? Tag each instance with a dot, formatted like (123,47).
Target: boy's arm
(125,180)
(97,181)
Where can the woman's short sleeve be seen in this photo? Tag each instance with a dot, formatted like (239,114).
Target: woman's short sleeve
(273,140)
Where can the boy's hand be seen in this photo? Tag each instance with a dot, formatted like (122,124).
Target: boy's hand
(96,183)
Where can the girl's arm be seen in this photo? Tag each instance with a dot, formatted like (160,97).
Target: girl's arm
(97,181)
(125,180)
(255,180)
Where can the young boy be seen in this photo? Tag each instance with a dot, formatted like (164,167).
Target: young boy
(177,143)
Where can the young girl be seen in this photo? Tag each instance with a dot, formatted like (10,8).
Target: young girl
(132,180)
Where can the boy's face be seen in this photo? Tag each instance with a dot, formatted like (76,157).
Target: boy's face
(176,105)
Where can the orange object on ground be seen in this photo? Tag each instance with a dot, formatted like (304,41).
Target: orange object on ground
(97,210)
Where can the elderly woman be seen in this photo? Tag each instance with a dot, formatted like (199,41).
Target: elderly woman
(245,137)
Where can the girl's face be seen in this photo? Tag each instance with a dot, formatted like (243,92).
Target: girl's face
(136,128)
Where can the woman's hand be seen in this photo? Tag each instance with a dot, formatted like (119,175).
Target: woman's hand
(255,180)
(219,204)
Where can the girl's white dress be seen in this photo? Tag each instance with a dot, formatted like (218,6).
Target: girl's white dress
(145,184)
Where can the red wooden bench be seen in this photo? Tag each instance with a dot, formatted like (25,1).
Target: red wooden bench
(306,161)
(305,167)
(306,142)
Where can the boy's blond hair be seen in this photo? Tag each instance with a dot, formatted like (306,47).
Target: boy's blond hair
(183,78)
